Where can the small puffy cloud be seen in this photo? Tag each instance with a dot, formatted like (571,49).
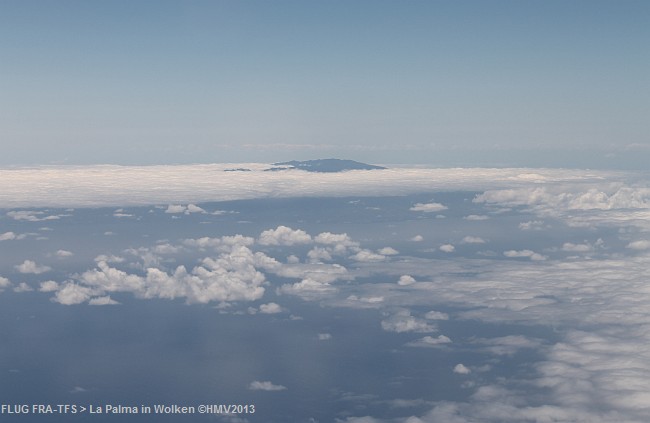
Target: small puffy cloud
(319,254)
(473,240)
(265,386)
(4,282)
(388,251)
(461,369)
(49,286)
(532,225)
(308,288)
(30,216)
(428,207)
(430,341)
(367,256)
(192,208)
(509,345)
(331,239)
(338,244)
(72,293)
(436,315)
(639,245)
(100,301)
(271,308)
(7,236)
(29,266)
(404,322)
(283,235)
(64,253)
(524,253)
(109,258)
(476,217)
(406,280)
(365,300)
(120,213)
(447,248)
(175,209)
(324,336)
(576,248)
(23,287)
(417,238)
(166,248)
(225,243)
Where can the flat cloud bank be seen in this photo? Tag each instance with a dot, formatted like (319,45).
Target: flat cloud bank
(110,185)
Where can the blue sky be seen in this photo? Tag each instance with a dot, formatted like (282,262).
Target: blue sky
(500,83)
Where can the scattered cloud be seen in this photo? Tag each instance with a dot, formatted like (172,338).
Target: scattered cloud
(7,236)
(265,386)
(532,225)
(319,254)
(436,315)
(23,287)
(179,208)
(461,369)
(283,235)
(175,209)
(430,341)
(367,256)
(428,207)
(639,245)
(100,301)
(29,266)
(509,345)
(324,336)
(406,280)
(476,217)
(577,248)
(4,283)
(447,248)
(417,238)
(524,253)
(404,322)
(271,308)
(71,293)
(473,240)
(31,216)
(49,286)
(64,253)
(387,251)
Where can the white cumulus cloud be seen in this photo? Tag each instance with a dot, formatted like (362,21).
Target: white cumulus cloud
(404,322)
(447,248)
(524,253)
(7,236)
(639,245)
(29,266)
(461,369)
(271,308)
(430,341)
(283,235)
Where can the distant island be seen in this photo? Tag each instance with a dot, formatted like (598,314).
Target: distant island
(239,169)
(323,165)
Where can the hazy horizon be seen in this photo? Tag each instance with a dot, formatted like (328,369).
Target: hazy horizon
(470,83)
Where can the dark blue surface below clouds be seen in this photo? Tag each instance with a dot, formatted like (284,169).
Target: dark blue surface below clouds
(325,358)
